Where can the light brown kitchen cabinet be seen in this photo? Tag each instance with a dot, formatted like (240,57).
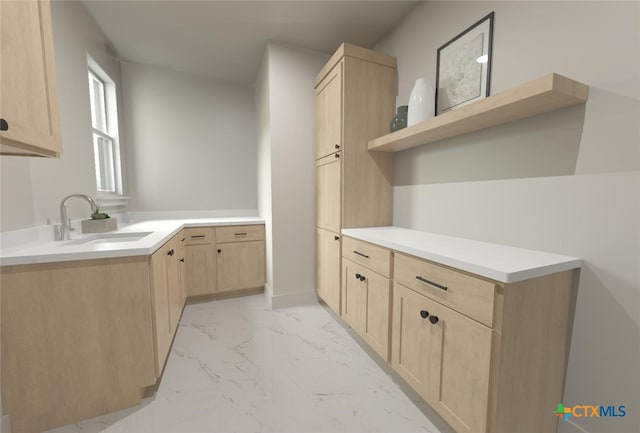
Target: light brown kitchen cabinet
(168,298)
(487,356)
(90,333)
(173,283)
(240,257)
(354,102)
(329,113)
(328,192)
(30,124)
(327,260)
(366,305)
(200,261)
(444,356)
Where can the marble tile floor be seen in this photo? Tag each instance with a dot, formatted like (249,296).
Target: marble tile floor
(238,366)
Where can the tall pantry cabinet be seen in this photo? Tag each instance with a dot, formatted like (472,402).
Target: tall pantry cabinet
(354,103)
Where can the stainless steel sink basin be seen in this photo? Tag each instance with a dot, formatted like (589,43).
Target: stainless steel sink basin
(109,238)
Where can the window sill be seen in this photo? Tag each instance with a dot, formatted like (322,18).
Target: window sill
(111,201)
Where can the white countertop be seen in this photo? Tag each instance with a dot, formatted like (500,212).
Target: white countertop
(497,262)
(161,232)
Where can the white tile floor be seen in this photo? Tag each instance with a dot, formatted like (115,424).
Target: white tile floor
(237,366)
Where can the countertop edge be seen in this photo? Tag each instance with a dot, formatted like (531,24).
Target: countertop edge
(30,256)
(564,263)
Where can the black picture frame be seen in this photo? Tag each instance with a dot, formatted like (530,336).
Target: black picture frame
(459,81)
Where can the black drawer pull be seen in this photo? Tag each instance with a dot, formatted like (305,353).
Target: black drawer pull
(336,238)
(337,155)
(362,278)
(170,252)
(182,260)
(240,234)
(357,276)
(424,314)
(360,254)
(431,283)
(4,126)
(197,236)
(433,319)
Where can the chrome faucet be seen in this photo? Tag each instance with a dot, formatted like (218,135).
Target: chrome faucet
(65,224)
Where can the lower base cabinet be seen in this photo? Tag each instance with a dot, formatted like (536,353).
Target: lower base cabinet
(487,356)
(444,356)
(366,305)
(241,265)
(220,260)
(167,297)
(200,269)
(95,334)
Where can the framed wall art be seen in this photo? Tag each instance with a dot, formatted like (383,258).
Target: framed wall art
(463,72)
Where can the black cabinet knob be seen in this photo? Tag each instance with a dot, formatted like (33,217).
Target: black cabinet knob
(219,251)
(424,314)
(182,260)
(337,146)
(362,278)
(433,319)
(170,252)
(357,276)
(337,155)
(337,238)
(4,126)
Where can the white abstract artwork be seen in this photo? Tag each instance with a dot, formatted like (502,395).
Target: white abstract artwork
(463,73)
(461,78)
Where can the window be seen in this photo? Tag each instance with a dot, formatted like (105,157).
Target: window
(104,124)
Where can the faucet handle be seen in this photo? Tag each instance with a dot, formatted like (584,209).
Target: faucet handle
(71,229)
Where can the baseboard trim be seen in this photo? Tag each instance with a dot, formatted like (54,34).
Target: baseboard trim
(224,295)
(291,299)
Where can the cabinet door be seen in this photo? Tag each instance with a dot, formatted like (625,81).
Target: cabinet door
(173,284)
(200,269)
(328,192)
(416,343)
(328,268)
(241,265)
(182,271)
(463,391)
(160,302)
(28,94)
(328,115)
(444,356)
(378,325)
(354,296)
(366,303)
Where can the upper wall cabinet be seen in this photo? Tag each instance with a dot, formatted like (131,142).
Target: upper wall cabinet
(30,124)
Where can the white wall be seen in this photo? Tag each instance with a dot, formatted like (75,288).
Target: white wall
(193,141)
(286,139)
(32,188)
(566,182)
(264,164)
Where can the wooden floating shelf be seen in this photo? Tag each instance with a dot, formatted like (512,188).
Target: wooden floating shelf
(548,93)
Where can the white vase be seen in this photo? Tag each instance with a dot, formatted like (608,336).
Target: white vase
(421,102)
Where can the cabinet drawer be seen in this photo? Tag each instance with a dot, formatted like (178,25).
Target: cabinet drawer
(376,258)
(239,233)
(469,295)
(198,235)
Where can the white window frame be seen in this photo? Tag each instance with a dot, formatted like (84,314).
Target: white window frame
(109,132)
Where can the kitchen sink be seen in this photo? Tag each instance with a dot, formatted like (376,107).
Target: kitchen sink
(109,238)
